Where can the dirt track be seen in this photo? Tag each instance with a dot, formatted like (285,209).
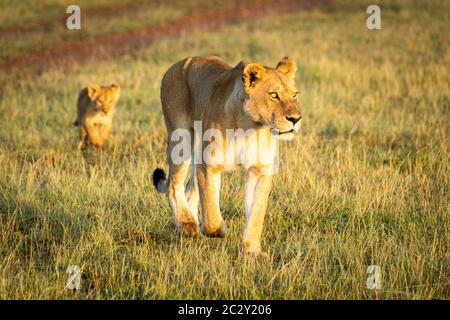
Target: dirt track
(91,12)
(120,43)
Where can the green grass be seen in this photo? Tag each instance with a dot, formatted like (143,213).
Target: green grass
(43,24)
(31,13)
(26,13)
(366,181)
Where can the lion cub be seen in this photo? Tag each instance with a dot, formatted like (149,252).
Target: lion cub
(96,106)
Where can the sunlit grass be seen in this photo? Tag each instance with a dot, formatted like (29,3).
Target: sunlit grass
(366,182)
(27,27)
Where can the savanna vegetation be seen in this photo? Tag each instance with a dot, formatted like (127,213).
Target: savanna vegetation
(366,182)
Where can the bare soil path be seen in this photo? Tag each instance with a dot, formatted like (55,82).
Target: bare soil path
(117,44)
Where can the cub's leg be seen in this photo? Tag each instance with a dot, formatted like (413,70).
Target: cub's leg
(185,218)
(257,189)
(83,137)
(103,133)
(94,136)
(209,187)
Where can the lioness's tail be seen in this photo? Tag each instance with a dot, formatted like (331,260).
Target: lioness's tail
(159,180)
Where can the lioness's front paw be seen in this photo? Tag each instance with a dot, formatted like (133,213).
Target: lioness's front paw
(189,229)
(253,248)
(215,233)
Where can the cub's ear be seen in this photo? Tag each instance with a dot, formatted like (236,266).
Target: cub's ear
(115,88)
(93,91)
(253,73)
(287,66)
(115,91)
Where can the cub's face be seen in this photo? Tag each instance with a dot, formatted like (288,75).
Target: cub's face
(105,98)
(272,97)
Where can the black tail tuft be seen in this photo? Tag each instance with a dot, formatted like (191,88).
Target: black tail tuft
(157,176)
(75,123)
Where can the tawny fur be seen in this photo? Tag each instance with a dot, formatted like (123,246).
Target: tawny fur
(248,96)
(95,111)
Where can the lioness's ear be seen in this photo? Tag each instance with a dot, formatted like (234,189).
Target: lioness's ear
(93,91)
(287,66)
(253,73)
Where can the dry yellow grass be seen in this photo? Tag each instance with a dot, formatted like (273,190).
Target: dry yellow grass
(366,182)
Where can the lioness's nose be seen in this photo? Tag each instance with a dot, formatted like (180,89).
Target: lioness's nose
(294,119)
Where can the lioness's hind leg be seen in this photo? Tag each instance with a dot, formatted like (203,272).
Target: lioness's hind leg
(192,192)
(185,219)
(209,187)
(178,115)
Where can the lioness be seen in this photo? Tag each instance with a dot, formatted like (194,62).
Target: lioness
(95,108)
(249,97)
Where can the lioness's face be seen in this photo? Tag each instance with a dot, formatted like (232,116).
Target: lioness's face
(105,97)
(272,97)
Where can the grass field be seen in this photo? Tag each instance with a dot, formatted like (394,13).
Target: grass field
(42,24)
(366,182)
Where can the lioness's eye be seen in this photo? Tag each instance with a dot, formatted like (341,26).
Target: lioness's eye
(273,95)
(295,95)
